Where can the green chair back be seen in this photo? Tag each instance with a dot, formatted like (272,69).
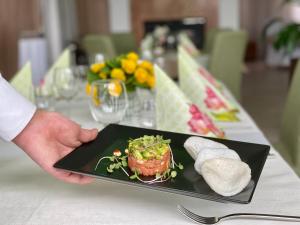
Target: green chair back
(226,59)
(94,43)
(290,124)
(124,42)
(210,37)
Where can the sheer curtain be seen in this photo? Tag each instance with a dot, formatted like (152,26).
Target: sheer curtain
(60,25)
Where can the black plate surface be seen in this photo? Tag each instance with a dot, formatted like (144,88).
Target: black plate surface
(83,160)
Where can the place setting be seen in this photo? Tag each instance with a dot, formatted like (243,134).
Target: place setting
(132,112)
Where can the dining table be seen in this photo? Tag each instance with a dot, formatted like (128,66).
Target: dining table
(30,196)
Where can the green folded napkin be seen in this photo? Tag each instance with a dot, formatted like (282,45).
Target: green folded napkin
(201,70)
(64,60)
(188,44)
(175,112)
(22,82)
(203,93)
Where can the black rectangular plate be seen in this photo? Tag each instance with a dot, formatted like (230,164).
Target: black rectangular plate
(83,160)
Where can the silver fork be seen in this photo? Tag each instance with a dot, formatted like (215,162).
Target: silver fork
(212,220)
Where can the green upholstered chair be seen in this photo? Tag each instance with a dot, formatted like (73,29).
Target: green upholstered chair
(94,43)
(289,144)
(210,37)
(226,59)
(124,42)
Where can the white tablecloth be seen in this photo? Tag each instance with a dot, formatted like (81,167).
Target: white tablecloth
(29,196)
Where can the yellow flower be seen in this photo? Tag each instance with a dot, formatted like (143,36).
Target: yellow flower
(103,75)
(141,75)
(133,56)
(147,65)
(151,81)
(115,88)
(96,99)
(95,68)
(117,73)
(88,89)
(128,65)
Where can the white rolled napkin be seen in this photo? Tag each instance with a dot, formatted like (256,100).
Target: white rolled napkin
(221,167)
(211,153)
(226,176)
(194,145)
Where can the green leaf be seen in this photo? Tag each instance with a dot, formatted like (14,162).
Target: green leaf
(124,163)
(92,77)
(118,165)
(105,69)
(134,176)
(288,38)
(112,166)
(173,174)
(112,158)
(109,170)
(180,166)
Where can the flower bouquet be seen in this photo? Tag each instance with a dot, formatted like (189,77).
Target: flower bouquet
(128,68)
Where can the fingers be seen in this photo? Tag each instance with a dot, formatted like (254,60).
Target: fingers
(78,179)
(72,177)
(86,135)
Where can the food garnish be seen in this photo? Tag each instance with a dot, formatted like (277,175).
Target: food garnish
(145,156)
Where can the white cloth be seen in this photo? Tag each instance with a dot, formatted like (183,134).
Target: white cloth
(29,196)
(15,111)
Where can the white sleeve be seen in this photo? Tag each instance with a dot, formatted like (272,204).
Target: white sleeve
(15,111)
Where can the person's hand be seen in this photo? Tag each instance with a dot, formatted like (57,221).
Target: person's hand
(48,137)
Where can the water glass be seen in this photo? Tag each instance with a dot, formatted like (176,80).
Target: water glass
(108,101)
(146,108)
(43,97)
(66,82)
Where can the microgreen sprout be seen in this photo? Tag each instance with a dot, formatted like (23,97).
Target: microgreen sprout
(147,142)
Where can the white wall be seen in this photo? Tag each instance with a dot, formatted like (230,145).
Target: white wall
(119,15)
(229,14)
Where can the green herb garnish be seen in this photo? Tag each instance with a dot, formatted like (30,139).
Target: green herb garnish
(144,148)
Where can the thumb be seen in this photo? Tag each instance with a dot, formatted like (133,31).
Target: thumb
(86,135)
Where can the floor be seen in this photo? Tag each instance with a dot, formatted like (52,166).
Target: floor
(264,90)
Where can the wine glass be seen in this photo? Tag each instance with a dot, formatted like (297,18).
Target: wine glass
(108,101)
(66,83)
(81,71)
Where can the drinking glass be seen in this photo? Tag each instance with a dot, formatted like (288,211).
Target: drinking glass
(146,108)
(43,97)
(66,82)
(108,101)
(81,71)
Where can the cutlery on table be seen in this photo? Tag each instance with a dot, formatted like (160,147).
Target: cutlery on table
(212,220)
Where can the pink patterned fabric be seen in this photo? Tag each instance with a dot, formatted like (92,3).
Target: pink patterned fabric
(212,101)
(200,123)
(203,72)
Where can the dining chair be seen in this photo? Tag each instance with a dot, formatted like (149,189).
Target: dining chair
(210,37)
(95,43)
(289,141)
(226,59)
(124,42)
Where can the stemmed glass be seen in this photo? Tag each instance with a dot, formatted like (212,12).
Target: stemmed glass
(108,101)
(66,83)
